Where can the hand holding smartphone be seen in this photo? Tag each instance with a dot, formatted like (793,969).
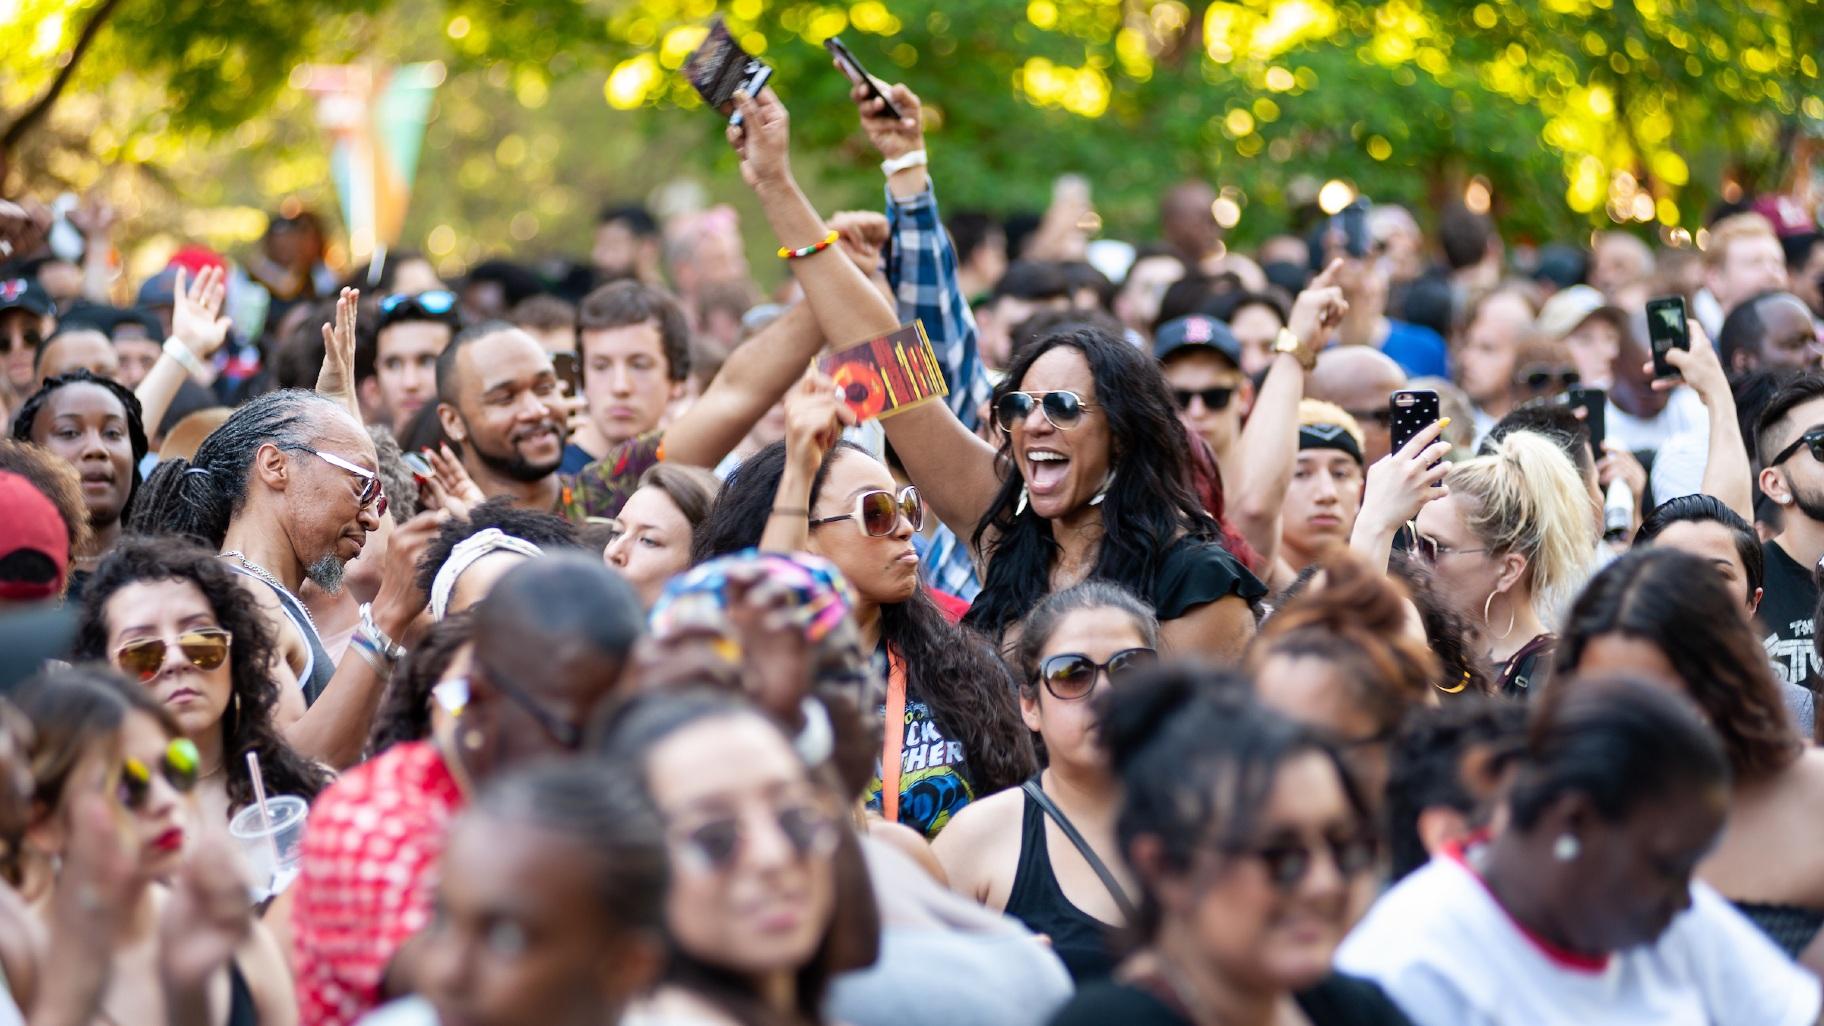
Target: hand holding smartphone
(1413,410)
(720,68)
(1668,328)
(845,60)
(1593,404)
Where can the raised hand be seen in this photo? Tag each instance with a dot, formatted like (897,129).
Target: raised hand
(814,419)
(862,234)
(196,311)
(763,139)
(455,491)
(1320,307)
(893,137)
(1401,483)
(1698,367)
(337,378)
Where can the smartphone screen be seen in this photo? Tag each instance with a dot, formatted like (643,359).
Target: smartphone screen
(858,74)
(1668,328)
(1413,410)
(1594,402)
(418,465)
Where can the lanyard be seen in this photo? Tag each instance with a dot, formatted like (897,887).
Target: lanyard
(893,737)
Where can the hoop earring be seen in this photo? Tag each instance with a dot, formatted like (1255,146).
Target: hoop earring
(1511,616)
(1107,483)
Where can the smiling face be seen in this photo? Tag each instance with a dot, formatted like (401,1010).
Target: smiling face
(165,610)
(505,414)
(654,542)
(405,366)
(1063,468)
(1321,503)
(626,379)
(1069,726)
(882,570)
(87,426)
(766,909)
(161,823)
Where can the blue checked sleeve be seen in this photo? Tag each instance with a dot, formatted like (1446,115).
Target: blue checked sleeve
(921,268)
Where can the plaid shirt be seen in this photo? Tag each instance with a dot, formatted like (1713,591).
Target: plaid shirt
(921,268)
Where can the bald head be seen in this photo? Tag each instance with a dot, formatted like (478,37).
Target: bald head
(1359,379)
(1773,329)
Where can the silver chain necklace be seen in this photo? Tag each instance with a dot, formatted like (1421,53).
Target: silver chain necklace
(264,575)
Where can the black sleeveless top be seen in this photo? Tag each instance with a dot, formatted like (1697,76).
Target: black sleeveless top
(1792,927)
(241,1009)
(321,667)
(1079,939)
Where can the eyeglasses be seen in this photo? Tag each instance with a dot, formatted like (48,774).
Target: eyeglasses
(714,845)
(1072,675)
(433,305)
(1429,549)
(1540,379)
(178,766)
(206,648)
(29,340)
(1213,398)
(1288,863)
(372,494)
(1813,440)
(1063,410)
(878,512)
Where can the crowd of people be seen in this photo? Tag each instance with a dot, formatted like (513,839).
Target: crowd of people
(1159,673)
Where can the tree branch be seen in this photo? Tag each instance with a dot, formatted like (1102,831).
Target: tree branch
(42,106)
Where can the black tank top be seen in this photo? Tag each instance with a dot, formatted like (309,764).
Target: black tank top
(1080,940)
(241,1009)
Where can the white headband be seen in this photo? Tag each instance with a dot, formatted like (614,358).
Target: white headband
(464,556)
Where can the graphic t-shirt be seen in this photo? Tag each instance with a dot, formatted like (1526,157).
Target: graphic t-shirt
(1787,608)
(934,779)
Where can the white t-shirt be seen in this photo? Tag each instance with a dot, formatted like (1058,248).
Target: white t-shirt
(1443,949)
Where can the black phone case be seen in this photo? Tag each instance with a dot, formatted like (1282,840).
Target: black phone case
(1665,333)
(1594,403)
(1410,418)
(841,50)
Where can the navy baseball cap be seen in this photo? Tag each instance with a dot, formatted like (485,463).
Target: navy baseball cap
(1197,331)
(26,294)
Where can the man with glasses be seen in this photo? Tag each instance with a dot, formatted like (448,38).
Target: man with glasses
(396,363)
(27,318)
(365,885)
(1790,439)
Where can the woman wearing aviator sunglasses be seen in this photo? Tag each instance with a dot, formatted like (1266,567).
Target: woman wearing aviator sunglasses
(1251,846)
(172,618)
(94,731)
(1012,851)
(957,734)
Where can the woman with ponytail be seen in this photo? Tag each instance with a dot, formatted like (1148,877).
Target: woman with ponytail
(1508,536)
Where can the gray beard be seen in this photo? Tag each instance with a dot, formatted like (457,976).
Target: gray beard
(326,573)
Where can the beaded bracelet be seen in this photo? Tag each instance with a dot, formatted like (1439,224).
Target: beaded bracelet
(787,253)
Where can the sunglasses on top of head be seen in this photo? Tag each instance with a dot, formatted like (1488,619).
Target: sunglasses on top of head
(1812,439)
(1213,398)
(178,766)
(206,648)
(877,513)
(1063,410)
(434,305)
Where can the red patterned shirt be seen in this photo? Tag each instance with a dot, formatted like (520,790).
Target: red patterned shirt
(367,876)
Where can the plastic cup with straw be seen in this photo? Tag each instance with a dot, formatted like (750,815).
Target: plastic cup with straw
(271,835)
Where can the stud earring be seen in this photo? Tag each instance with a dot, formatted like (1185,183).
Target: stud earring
(1566,848)
(472,740)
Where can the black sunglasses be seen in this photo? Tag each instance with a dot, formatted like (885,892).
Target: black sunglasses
(1813,440)
(178,766)
(1063,410)
(713,846)
(433,305)
(28,340)
(1213,398)
(1072,675)
(1539,379)
(1288,863)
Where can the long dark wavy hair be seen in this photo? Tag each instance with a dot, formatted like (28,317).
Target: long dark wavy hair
(1149,503)
(1677,603)
(247,725)
(196,498)
(951,669)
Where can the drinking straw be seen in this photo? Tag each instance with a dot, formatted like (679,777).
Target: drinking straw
(259,797)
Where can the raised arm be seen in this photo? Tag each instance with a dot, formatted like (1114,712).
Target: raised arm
(1399,485)
(336,379)
(953,468)
(757,374)
(813,422)
(1727,473)
(198,329)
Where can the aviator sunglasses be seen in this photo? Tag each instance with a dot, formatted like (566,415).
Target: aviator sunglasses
(1063,410)
(206,648)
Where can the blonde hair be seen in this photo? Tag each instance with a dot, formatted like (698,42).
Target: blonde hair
(1316,411)
(1732,229)
(1526,497)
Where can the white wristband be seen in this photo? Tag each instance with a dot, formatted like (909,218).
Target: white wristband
(916,158)
(186,359)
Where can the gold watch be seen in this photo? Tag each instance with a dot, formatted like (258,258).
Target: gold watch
(1287,342)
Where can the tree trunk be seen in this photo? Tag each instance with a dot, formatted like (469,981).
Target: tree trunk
(40,107)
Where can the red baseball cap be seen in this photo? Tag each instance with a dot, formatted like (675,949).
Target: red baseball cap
(33,525)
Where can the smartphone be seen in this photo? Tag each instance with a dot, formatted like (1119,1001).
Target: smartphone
(1668,328)
(1594,402)
(568,371)
(719,68)
(1413,410)
(859,75)
(418,465)
(1353,221)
